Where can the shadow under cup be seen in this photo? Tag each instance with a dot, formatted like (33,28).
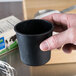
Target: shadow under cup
(30,34)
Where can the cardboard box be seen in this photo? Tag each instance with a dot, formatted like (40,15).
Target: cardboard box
(8,40)
(31,7)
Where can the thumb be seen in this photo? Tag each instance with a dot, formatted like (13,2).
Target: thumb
(55,41)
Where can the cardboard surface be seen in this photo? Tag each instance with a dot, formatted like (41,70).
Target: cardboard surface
(31,7)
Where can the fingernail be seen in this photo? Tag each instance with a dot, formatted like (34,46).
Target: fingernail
(66,50)
(44,46)
(75,43)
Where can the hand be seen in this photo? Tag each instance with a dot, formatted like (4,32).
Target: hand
(65,24)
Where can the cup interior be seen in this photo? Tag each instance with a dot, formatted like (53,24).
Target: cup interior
(33,26)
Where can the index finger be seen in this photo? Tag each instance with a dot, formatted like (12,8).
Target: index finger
(57,18)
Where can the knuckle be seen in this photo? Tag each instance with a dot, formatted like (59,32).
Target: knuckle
(72,35)
(52,42)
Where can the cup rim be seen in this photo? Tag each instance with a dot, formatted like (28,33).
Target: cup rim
(34,34)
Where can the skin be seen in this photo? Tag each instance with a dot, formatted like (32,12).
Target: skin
(65,24)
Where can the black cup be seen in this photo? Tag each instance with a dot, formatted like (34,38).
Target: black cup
(30,34)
